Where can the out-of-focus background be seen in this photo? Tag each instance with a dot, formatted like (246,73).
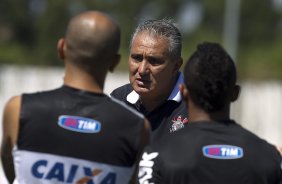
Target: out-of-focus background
(251,31)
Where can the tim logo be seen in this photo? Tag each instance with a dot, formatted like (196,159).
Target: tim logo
(223,152)
(79,124)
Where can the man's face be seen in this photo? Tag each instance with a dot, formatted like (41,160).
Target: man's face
(152,71)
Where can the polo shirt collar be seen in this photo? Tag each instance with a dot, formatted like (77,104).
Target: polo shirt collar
(175,95)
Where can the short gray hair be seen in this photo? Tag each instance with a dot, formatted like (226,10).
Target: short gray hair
(164,28)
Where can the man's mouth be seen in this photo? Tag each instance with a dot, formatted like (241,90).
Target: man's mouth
(142,81)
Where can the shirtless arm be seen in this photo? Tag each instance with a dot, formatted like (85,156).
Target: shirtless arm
(10,130)
(279,148)
(145,139)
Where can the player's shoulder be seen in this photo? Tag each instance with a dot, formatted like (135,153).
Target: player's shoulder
(13,103)
(122,107)
(255,140)
(42,96)
(42,92)
(121,92)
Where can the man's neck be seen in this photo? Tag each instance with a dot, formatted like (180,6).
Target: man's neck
(82,80)
(197,114)
(151,104)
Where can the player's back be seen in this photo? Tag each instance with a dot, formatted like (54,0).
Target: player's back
(69,136)
(216,153)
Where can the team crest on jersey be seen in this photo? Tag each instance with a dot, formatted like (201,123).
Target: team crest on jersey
(178,123)
(79,124)
(223,152)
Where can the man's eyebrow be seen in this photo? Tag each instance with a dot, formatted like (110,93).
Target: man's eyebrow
(155,57)
(135,53)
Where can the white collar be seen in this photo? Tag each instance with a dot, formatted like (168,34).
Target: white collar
(175,95)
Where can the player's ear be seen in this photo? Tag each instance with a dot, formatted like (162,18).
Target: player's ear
(60,48)
(235,93)
(115,62)
(184,92)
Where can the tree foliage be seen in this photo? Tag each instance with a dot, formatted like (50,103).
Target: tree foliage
(29,29)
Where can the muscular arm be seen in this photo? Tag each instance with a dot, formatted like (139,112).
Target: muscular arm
(10,130)
(145,139)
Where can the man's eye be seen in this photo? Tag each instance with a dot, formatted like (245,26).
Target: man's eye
(155,61)
(137,58)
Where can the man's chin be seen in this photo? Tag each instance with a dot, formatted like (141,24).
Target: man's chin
(142,90)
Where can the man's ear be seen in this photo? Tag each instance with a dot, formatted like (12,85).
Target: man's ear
(184,92)
(115,62)
(235,93)
(60,48)
(178,64)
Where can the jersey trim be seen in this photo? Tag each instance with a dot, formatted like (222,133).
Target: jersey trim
(128,108)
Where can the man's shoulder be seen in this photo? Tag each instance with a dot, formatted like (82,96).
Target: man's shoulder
(121,92)
(42,92)
(42,96)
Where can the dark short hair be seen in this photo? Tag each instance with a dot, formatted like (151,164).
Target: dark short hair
(210,74)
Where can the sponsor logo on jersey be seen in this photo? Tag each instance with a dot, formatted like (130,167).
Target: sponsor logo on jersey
(223,152)
(79,124)
(146,167)
(178,123)
(59,172)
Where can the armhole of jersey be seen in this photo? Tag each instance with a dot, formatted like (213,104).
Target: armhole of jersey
(22,117)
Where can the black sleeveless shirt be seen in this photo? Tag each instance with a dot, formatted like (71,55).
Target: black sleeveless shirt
(68,135)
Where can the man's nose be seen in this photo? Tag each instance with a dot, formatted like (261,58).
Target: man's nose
(143,67)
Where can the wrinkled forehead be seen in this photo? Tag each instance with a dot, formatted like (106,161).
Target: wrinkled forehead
(151,40)
(149,43)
